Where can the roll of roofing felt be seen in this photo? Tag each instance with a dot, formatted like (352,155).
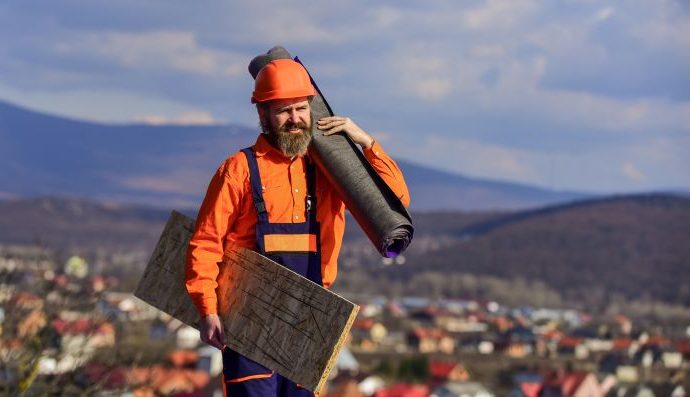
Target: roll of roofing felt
(372,203)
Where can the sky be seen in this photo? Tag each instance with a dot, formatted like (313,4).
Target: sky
(591,96)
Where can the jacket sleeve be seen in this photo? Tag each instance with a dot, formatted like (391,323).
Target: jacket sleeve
(389,171)
(217,213)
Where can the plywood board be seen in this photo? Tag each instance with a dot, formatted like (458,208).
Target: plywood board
(162,285)
(270,314)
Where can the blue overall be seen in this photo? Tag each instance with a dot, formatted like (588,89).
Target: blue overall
(242,376)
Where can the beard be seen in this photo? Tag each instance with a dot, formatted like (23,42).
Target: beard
(290,144)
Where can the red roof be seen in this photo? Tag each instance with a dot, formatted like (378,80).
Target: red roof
(169,380)
(530,389)
(568,382)
(569,341)
(365,324)
(572,382)
(345,389)
(403,390)
(553,334)
(82,326)
(76,327)
(110,378)
(25,299)
(622,343)
(429,333)
(183,358)
(441,369)
(657,341)
(683,346)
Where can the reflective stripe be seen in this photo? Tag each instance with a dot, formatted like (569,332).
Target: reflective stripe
(250,377)
(290,243)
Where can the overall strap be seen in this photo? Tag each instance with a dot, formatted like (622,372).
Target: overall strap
(255,181)
(311,189)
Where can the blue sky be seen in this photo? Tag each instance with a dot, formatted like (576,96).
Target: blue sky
(577,95)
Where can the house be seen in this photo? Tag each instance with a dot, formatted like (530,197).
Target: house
(156,380)
(346,362)
(627,374)
(80,337)
(568,345)
(448,371)
(461,389)
(574,384)
(348,388)
(527,385)
(623,345)
(370,384)
(183,358)
(425,317)
(431,340)
(609,362)
(683,347)
(403,390)
(25,301)
(187,337)
(453,322)
(167,380)
(31,324)
(368,333)
(672,359)
(518,341)
(125,306)
(210,360)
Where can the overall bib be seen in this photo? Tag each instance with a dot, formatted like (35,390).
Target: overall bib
(295,246)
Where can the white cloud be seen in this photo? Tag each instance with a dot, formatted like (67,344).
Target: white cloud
(187,118)
(473,157)
(162,50)
(631,172)
(499,14)
(666,26)
(603,14)
(428,78)
(487,51)
(433,89)
(385,17)
(600,85)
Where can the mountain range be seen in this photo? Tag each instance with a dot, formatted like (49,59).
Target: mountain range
(593,253)
(169,165)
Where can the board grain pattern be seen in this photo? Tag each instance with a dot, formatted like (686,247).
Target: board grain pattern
(270,314)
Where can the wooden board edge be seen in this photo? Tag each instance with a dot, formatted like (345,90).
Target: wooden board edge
(175,218)
(336,350)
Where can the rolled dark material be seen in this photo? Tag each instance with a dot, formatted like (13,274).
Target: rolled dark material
(373,204)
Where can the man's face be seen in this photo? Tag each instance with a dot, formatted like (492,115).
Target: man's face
(288,124)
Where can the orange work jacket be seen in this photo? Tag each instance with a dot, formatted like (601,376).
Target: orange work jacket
(227,213)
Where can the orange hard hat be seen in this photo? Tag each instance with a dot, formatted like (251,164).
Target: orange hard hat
(282,79)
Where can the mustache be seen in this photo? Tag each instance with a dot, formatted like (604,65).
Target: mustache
(290,125)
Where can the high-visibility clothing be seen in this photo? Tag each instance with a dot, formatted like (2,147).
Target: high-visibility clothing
(246,377)
(227,213)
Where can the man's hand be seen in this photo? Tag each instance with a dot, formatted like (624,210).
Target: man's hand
(331,125)
(212,331)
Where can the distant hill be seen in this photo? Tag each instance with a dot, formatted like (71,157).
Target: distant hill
(593,252)
(619,248)
(80,225)
(170,166)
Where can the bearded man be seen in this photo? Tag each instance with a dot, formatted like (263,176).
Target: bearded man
(272,199)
